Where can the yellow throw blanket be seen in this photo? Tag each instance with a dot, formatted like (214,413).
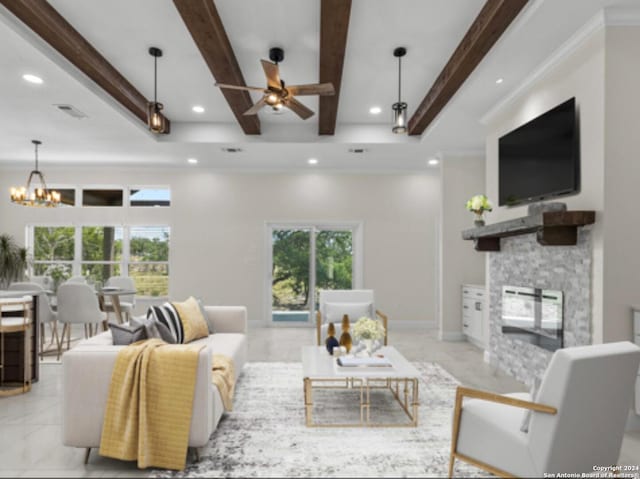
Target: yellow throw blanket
(223,376)
(148,413)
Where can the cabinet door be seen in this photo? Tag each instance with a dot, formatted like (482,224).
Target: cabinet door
(477,317)
(467,315)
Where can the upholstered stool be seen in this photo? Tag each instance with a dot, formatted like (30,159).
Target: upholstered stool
(15,317)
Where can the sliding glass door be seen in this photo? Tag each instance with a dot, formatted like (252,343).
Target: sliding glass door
(304,259)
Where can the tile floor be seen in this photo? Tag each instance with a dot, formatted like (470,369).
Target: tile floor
(30,424)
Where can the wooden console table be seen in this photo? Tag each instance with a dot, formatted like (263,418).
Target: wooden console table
(553,228)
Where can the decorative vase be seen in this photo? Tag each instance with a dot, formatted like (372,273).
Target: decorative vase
(478,219)
(331,341)
(368,344)
(345,338)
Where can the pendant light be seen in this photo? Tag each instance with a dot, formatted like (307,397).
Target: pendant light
(36,192)
(156,121)
(399,108)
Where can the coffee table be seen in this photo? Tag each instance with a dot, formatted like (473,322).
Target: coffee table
(320,371)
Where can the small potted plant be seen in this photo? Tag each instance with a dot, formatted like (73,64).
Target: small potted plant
(368,330)
(14,261)
(479,204)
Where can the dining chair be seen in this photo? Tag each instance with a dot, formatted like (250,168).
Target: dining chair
(77,279)
(127,301)
(45,281)
(355,303)
(78,304)
(44,313)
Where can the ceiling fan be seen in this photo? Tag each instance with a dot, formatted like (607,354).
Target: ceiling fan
(277,94)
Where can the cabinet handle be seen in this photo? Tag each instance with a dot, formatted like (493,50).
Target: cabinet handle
(466,325)
(479,294)
(465,307)
(478,306)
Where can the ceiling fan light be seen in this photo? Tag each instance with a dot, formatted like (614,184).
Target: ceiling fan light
(272,99)
(277,106)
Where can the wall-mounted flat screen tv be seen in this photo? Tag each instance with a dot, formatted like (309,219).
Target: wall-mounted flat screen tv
(541,159)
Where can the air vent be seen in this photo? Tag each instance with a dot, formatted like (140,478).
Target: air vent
(357,150)
(232,150)
(71,111)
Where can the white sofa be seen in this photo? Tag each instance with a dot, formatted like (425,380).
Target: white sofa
(87,374)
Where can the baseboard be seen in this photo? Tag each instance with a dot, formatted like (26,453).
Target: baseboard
(454,336)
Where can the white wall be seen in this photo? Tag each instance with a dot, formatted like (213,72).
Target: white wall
(580,75)
(218,228)
(621,181)
(461,178)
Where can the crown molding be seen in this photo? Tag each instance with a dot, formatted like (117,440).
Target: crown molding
(607,17)
(589,29)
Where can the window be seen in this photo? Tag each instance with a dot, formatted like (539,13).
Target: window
(67,196)
(102,197)
(149,259)
(99,252)
(53,252)
(149,197)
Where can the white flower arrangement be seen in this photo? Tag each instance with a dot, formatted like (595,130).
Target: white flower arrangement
(367,328)
(478,204)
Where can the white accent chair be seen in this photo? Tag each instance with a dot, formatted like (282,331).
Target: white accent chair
(577,418)
(44,313)
(127,301)
(334,304)
(78,304)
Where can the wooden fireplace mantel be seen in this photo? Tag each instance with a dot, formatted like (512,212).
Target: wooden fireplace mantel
(552,228)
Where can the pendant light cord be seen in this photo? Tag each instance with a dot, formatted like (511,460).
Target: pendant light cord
(155,79)
(36,145)
(399,77)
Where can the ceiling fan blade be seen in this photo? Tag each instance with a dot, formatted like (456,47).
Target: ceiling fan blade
(255,108)
(272,72)
(238,87)
(298,108)
(321,89)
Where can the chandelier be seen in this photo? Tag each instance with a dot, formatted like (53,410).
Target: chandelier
(36,192)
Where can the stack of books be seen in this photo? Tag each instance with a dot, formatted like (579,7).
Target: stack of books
(353,362)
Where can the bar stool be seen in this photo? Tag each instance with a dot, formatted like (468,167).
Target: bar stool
(10,322)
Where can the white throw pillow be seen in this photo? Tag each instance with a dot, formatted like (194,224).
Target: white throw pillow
(333,312)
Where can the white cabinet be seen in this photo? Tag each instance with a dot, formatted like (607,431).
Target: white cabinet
(636,338)
(473,304)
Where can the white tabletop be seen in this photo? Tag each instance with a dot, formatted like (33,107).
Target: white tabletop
(317,363)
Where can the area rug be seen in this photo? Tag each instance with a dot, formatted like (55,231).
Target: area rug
(265,435)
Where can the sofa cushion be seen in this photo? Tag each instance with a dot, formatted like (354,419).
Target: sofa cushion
(124,334)
(193,323)
(168,317)
(233,345)
(150,326)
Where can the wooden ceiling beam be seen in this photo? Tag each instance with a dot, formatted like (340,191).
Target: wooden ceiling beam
(489,25)
(334,25)
(203,22)
(48,24)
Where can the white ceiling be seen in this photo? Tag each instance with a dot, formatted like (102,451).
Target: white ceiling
(123,31)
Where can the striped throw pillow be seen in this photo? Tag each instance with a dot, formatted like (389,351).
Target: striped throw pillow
(168,316)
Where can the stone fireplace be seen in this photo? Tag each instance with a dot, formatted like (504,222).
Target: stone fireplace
(522,261)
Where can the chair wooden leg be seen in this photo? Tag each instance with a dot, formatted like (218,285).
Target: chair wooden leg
(61,343)
(54,334)
(86,455)
(456,430)
(42,337)
(68,336)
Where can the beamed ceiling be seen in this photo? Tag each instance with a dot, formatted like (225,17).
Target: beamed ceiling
(94,55)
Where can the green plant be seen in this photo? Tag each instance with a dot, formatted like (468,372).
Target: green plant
(367,328)
(14,261)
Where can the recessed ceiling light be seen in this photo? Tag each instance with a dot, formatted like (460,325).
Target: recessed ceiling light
(375,110)
(499,80)
(32,79)
(231,150)
(433,161)
(312,161)
(193,161)
(198,109)
(357,150)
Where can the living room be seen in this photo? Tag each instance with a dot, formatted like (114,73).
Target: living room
(226,192)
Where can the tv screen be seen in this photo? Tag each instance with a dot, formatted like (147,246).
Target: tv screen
(541,159)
